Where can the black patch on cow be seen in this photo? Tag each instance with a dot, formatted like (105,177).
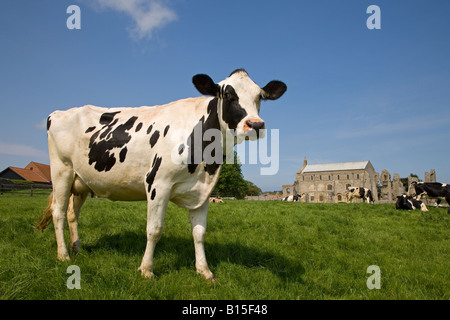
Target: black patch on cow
(369,195)
(138,127)
(106,118)
(90,129)
(166,129)
(362,192)
(123,154)
(232,112)
(150,129)
(211,122)
(112,137)
(154,138)
(153,194)
(49,123)
(108,129)
(154,160)
(181,148)
(151,175)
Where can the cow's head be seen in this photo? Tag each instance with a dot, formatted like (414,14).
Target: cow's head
(402,203)
(239,100)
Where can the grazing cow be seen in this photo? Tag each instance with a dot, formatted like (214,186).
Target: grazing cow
(215,200)
(360,193)
(405,202)
(159,154)
(294,198)
(433,190)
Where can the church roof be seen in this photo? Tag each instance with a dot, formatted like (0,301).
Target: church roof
(355,165)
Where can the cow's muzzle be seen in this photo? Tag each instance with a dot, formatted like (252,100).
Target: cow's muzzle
(253,124)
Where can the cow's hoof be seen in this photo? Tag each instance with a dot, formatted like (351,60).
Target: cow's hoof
(146,273)
(63,257)
(213,279)
(75,247)
(209,276)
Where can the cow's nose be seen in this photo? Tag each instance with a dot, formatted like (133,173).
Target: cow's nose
(255,124)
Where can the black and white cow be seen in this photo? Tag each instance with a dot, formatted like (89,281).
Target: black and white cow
(293,198)
(159,154)
(405,202)
(360,193)
(434,190)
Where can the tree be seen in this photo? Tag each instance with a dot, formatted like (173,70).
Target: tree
(231,181)
(252,189)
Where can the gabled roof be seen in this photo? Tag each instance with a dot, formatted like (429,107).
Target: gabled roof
(29,175)
(356,165)
(35,172)
(43,170)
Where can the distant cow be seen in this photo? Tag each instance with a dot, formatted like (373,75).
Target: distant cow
(360,193)
(294,198)
(405,202)
(159,154)
(434,190)
(215,200)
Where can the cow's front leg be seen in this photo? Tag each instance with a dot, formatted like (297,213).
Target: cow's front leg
(198,224)
(156,210)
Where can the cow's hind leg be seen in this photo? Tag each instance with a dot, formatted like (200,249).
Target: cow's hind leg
(198,223)
(62,177)
(73,212)
(156,210)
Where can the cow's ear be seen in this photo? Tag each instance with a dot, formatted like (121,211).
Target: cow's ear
(205,85)
(273,90)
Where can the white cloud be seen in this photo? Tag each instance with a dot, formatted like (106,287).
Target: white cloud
(147,15)
(22,150)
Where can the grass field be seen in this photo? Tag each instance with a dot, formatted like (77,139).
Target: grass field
(257,250)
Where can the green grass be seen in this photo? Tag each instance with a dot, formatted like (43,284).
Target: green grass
(256,249)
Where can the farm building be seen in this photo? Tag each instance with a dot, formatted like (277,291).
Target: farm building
(328,183)
(34,171)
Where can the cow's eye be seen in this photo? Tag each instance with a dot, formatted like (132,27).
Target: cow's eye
(229,96)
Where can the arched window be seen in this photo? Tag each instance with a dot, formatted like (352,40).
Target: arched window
(329,187)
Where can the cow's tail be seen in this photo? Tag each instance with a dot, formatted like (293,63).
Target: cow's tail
(47,214)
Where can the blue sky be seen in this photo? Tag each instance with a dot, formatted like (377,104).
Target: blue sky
(353,93)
